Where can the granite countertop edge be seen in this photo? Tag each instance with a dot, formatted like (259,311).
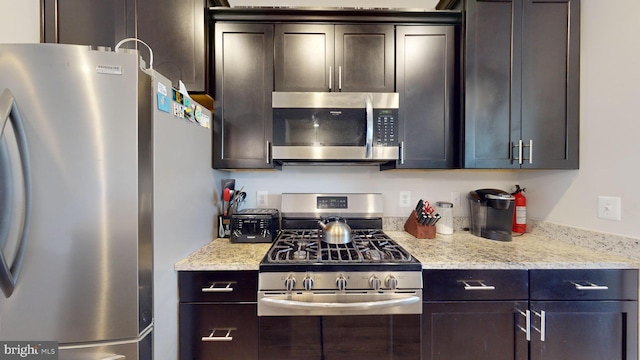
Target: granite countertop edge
(459,251)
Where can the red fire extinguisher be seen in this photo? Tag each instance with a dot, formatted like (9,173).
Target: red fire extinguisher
(520,213)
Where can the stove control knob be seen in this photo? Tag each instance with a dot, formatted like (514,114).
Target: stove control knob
(341,282)
(290,282)
(375,282)
(307,282)
(391,282)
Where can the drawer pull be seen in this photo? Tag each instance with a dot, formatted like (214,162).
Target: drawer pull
(527,329)
(588,285)
(213,338)
(219,287)
(476,285)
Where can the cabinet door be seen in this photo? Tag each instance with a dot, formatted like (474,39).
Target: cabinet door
(550,82)
(304,56)
(175,31)
(243,85)
(88,22)
(492,83)
(218,331)
(585,330)
(425,76)
(364,58)
(480,330)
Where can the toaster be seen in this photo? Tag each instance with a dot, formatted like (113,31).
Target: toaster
(255,225)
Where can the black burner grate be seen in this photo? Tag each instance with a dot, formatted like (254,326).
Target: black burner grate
(306,247)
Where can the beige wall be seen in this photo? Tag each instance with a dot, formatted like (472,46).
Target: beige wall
(19,21)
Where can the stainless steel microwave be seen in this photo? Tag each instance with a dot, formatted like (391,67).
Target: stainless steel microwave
(335,127)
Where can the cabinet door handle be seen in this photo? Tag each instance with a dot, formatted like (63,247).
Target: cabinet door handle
(213,338)
(339,78)
(588,285)
(402,152)
(216,287)
(530,151)
(268,152)
(330,77)
(543,324)
(479,285)
(527,328)
(520,151)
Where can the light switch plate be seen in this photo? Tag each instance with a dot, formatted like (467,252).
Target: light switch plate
(609,208)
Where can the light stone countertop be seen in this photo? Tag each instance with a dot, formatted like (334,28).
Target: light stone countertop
(458,251)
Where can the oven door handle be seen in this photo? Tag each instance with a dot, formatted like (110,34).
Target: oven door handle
(367,305)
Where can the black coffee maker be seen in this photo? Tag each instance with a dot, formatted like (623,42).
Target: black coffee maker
(491,214)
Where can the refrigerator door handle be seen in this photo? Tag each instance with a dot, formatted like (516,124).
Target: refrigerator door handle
(10,113)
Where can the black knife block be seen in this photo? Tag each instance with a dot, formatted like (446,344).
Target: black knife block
(419,231)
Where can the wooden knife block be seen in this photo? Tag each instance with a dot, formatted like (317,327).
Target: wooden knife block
(419,231)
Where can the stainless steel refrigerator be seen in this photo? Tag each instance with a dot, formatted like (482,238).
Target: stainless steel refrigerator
(104,185)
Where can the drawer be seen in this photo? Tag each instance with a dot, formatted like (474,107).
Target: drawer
(218,331)
(580,284)
(218,286)
(475,285)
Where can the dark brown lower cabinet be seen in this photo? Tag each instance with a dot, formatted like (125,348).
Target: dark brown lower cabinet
(585,330)
(586,314)
(218,331)
(479,330)
(218,315)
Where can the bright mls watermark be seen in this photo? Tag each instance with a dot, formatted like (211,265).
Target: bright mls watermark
(31,350)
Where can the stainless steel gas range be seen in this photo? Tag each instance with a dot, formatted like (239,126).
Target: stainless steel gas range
(369,273)
(338,289)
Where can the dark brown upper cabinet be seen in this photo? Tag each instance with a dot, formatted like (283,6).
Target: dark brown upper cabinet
(426,83)
(321,57)
(522,84)
(242,124)
(174,30)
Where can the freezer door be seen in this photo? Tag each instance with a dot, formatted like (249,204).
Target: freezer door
(84,259)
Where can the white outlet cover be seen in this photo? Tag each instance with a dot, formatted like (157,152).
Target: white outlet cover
(609,208)
(405,199)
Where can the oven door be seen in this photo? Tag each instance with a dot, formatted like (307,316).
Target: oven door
(363,337)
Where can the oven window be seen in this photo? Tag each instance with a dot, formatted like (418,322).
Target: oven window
(340,337)
(319,127)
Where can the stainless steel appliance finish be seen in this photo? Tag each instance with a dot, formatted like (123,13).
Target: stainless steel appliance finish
(352,205)
(335,127)
(301,275)
(84,159)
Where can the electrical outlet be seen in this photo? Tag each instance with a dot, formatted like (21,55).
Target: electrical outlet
(455,199)
(609,208)
(405,199)
(261,199)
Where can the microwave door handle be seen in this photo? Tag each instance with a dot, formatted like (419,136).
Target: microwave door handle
(368,148)
(9,112)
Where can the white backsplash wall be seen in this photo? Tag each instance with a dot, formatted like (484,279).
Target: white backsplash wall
(428,185)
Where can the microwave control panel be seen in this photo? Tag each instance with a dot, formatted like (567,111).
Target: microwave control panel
(385,127)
